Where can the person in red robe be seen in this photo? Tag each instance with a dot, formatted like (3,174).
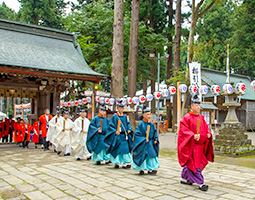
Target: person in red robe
(195,147)
(37,138)
(43,127)
(9,125)
(2,129)
(25,129)
(17,137)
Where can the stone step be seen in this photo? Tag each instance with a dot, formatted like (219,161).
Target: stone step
(230,131)
(232,142)
(231,149)
(231,137)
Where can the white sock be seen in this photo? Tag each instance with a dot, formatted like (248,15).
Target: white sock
(124,165)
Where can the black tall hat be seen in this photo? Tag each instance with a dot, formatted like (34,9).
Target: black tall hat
(102,108)
(120,104)
(146,110)
(195,99)
(65,112)
(58,111)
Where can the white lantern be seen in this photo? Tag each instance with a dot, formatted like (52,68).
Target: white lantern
(172,90)
(135,100)
(253,85)
(142,99)
(193,89)
(80,101)
(149,97)
(240,87)
(88,99)
(165,93)
(227,88)
(157,95)
(107,100)
(101,100)
(111,101)
(129,100)
(215,89)
(204,89)
(72,103)
(97,98)
(124,101)
(183,88)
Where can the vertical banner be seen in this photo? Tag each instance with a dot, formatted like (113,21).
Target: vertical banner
(195,76)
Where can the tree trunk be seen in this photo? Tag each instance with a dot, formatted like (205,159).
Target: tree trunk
(117,51)
(170,60)
(145,85)
(177,57)
(132,58)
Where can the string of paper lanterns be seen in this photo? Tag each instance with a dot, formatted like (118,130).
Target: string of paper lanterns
(183,88)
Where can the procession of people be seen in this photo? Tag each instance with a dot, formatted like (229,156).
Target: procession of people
(114,141)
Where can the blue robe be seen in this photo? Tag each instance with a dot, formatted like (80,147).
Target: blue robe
(145,154)
(95,140)
(118,144)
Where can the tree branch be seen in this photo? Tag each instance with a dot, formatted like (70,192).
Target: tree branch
(206,9)
(199,5)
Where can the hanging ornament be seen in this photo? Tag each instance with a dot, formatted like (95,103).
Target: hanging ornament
(123,101)
(69,104)
(253,85)
(165,93)
(63,104)
(172,90)
(149,97)
(66,104)
(129,100)
(157,95)
(97,99)
(83,101)
(193,89)
(76,103)
(227,88)
(101,100)
(72,103)
(142,99)
(183,88)
(135,100)
(204,89)
(215,89)
(111,101)
(240,88)
(88,99)
(80,101)
(107,100)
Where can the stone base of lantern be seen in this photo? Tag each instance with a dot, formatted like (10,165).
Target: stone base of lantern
(231,141)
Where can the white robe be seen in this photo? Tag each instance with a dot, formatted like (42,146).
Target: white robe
(52,128)
(79,140)
(64,138)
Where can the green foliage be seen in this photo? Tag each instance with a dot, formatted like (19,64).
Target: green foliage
(42,12)
(242,46)
(6,12)
(214,32)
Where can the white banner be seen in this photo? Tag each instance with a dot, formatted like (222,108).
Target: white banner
(195,76)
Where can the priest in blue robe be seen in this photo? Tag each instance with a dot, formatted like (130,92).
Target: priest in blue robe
(145,146)
(96,135)
(119,138)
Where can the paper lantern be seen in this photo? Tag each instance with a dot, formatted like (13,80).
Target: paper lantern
(129,100)
(193,89)
(72,103)
(97,99)
(157,95)
(240,87)
(215,89)
(101,100)
(80,101)
(165,93)
(227,88)
(149,97)
(111,101)
(76,103)
(69,103)
(63,104)
(172,90)
(183,88)
(253,85)
(107,100)
(66,104)
(88,99)
(135,100)
(84,100)
(204,89)
(142,99)
(123,101)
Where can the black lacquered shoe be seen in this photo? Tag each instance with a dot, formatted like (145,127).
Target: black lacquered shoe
(203,187)
(78,159)
(186,183)
(153,172)
(141,172)
(116,166)
(98,163)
